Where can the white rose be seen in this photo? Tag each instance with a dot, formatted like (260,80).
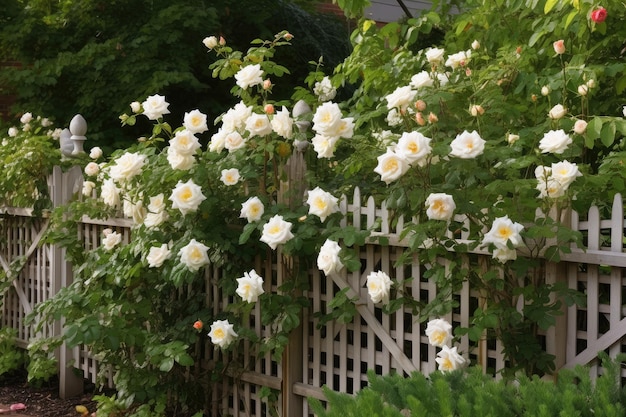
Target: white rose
(127,166)
(235,118)
(185,142)
(194,255)
(88,187)
(155,107)
(230,176)
(110,194)
(322,203)
(511,138)
(92,169)
(195,121)
(157,203)
(421,79)
(435,55)
(439,332)
(502,231)
(583,89)
(324,90)
(328,259)
(26,118)
(550,187)
(210,42)
(276,231)
(413,146)
(555,141)
(400,98)
(180,161)
(565,172)
(249,76)
(327,119)
(218,141)
(234,141)
(158,255)
(449,359)
(155,219)
(110,240)
(135,210)
(282,123)
(13,131)
(222,333)
(459,59)
(580,127)
(440,206)
(475,45)
(258,125)
(545,90)
(135,107)
(346,128)
(394,117)
(95,152)
(378,286)
(252,209)
(187,197)
(250,286)
(504,255)
(467,145)
(391,166)
(324,146)
(557,112)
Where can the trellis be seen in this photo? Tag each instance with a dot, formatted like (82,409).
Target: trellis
(336,355)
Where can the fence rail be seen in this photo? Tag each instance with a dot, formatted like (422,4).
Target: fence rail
(336,355)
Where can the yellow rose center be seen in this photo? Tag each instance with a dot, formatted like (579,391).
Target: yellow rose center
(438,337)
(219,333)
(390,165)
(274,230)
(446,364)
(320,203)
(413,147)
(186,194)
(505,232)
(438,206)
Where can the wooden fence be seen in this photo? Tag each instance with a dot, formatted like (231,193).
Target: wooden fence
(336,355)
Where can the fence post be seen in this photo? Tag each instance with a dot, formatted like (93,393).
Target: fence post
(63,186)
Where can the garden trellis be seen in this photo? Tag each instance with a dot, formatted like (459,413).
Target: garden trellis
(335,354)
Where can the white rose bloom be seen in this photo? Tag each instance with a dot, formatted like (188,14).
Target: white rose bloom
(467,145)
(180,161)
(322,203)
(218,140)
(276,231)
(111,240)
(210,42)
(45,122)
(543,172)
(475,45)
(391,166)
(194,255)
(252,209)
(235,118)
(459,59)
(249,76)
(557,112)
(92,169)
(440,206)
(109,193)
(324,90)
(26,127)
(157,203)
(230,176)
(127,166)
(580,127)
(134,210)
(250,286)
(394,117)
(583,89)
(222,333)
(550,187)
(324,146)
(187,197)
(400,98)
(153,220)
(504,255)
(449,359)
(185,142)
(378,287)
(155,107)
(282,123)
(158,255)
(234,141)
(135,107)
(435,55)
(443,78)
(502,231)
(13,131)
(26,118)
(512,138)
(346,128)
(421,79)
(258,125)
(328,259)
(545,90)
(555,141)
(327,119)
(565,172)
(95,152)
(413,146)
(439,332)
(195,121)
(88,187)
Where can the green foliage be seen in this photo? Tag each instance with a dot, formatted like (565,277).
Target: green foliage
(42,361)
(11,357)
(471,393)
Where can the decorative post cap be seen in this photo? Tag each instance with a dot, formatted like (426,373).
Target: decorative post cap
(78,128)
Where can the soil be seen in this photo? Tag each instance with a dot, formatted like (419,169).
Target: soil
(41,401)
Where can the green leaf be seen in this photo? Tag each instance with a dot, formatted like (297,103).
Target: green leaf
(549,6)
(607,135)
(166,365)
(594,128)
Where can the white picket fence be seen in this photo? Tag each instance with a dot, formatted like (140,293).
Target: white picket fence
(336,355)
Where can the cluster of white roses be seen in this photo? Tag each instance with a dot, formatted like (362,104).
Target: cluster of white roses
(439,333)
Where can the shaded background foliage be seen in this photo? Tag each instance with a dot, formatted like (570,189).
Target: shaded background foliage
(95,57)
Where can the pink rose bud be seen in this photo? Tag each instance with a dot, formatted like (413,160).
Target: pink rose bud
(580,127)
(468,72)
(477,110)
(419,118)
(599,15)
(269,109)
(222,41)
(267,84)
(420,105)
(288,36)
(559,47)
(198,325)
(432,118)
